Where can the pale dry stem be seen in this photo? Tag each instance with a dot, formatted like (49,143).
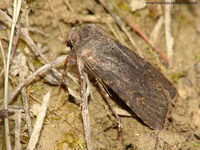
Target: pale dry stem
(85,92)
(16,11)
(168,34)
(39,123)
(18,117)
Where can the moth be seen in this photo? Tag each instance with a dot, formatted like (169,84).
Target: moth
(146,91)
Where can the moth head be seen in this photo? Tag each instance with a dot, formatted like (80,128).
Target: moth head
(81,35)
(72,37)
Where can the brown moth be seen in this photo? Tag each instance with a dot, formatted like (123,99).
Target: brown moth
(146,91)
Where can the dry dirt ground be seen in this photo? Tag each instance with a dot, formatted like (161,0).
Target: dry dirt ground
(63,127)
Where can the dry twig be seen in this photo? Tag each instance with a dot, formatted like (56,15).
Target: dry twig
(16,11)
(16,39)
(168,35)
(3,55)
(154,36)
(17,129)
(39,123)
(27,111)
(85,91)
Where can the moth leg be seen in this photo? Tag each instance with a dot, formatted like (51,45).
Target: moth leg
(69,57)
(85,92)
(117,118)
(169,102)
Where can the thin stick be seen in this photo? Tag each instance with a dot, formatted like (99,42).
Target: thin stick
(168,35)
(27,111)
(154,35)
(15,40)
(120,24)
(31,77)
(3,113)
(4,59)
(17,129)
(39,123)
(1,73)
(169,101)
(5,18)
(156,141)
(85,91)
(16,11)
(3,55)
(35,30)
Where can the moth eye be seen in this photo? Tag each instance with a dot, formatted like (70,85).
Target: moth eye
(70,43)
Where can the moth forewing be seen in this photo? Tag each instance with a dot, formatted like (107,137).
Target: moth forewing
(140,85)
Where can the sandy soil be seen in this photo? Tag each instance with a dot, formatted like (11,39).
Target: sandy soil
(63,127)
